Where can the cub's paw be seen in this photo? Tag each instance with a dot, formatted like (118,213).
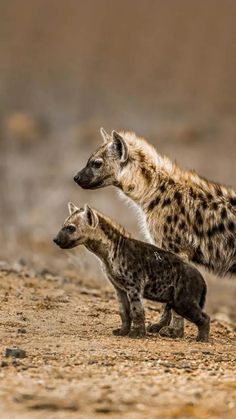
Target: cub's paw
(154,328)
(137,333)
(202,338)
(121,332)
(171,332)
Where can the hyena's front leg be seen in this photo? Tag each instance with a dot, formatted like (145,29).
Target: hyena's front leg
(137,314)
(124,313)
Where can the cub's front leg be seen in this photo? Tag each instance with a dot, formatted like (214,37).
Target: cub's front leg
(137,313)
(124,313)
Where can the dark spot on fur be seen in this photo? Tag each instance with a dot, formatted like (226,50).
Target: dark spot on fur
(209,196)
(178,197)
(182,209)
(182,225)
(210,246)
(223,213)
(233,201)
(198,256)
(196,230)
(192,193)
(199,218)
(171,182)
(130,188)
(165,229)
(215,206)
(204,204)
(212,231)
(169,219)
(221,227)
(176,218)
(175,249)
(231,226)
(153,203)
(177,240)
(162,188)
(166,202)
(147,174)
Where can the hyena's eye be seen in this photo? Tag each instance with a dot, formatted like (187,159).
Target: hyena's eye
(96,163)
(70,228)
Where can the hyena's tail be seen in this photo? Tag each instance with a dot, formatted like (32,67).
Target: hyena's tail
(203,296)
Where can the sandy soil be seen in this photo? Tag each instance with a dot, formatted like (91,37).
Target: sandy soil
(75,368)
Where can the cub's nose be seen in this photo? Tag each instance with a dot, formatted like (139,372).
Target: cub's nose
(77,178)
(56,240)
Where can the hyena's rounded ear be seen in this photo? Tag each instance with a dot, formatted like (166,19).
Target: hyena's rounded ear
(72,208)
(119,146)
(106,137)
(90,216)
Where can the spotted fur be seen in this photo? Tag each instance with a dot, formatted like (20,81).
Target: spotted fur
(178,210)
(137,270)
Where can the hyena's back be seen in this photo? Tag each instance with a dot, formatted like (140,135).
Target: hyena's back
(199,222)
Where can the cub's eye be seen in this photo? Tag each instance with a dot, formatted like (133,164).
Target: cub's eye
(97,163)
(70,229)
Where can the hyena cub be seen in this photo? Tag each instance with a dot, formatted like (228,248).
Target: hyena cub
(137,270)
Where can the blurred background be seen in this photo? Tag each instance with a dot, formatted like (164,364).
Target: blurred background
(164,69)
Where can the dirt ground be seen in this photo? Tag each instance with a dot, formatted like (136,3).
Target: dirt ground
(75,368)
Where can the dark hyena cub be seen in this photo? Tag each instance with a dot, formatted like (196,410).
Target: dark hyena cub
(137,270)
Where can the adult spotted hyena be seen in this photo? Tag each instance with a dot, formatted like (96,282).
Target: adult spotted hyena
(180,211)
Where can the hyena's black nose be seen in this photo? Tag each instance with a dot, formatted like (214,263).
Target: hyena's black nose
(77,178)
(56,240)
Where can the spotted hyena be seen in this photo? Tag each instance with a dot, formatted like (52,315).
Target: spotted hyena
(137,270)
(179,210)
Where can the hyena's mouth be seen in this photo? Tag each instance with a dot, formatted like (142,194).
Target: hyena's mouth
(92,185)
(69,245)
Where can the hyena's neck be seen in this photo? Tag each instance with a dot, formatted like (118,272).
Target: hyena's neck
(143,193)
(108,241)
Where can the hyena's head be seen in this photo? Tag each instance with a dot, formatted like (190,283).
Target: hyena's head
(123,160)
(103,166)
(77,228)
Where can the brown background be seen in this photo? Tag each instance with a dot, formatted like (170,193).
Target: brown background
(164,69)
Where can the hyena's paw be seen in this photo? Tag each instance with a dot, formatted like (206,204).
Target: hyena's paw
(137,333)
(123,331)
(202,338)
(171,332)
(154,328)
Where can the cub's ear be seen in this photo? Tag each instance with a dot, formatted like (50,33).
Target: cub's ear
(72,208)
(119,146)
(90,216)
(106,137)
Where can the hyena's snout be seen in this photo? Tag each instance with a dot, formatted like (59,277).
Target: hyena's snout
(62,240)
(87,179)
(83,178)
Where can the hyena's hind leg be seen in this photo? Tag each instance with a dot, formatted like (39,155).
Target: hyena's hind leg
(176,327)
(164,320)
(125,314)
(193,312)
